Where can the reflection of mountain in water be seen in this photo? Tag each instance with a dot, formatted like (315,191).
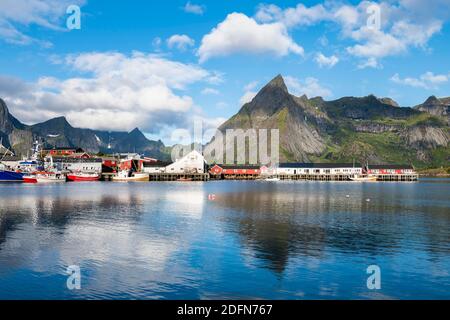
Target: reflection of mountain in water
(276,242)
(281,221)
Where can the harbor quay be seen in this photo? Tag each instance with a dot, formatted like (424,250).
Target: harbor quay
(74,164)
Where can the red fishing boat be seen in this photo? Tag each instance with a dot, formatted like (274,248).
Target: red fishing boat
(83,176)
(30,179)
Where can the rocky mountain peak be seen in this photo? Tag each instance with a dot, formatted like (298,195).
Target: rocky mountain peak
(56,124)
(7,121)
(432,100)
(277,82)
(389,101)
(273,96)
(136,133)
(2,105)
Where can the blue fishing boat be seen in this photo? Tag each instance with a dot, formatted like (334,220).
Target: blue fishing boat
(10,176)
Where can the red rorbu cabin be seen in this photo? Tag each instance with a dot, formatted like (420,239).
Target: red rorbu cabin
(62,151)
(390,169)
(235,171)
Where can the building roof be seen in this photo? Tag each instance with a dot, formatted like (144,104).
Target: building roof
(109,158)
(79,154)
(238,166)
(390,166)
(64,148)
(75,160)
(157,164)
(319,165)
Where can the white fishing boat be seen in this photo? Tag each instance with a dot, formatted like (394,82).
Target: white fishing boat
(50,177)
(272,179)
(126,175)
(363,178)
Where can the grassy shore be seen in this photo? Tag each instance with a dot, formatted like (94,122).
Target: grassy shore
(434,172)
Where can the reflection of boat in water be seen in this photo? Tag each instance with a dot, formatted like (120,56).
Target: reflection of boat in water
(363,178)
(125,175)
(83,176)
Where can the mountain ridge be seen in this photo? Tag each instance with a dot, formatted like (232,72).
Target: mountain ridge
(311,129)
(58,132)
(362,128)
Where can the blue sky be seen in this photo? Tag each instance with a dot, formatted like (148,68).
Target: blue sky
(156,65)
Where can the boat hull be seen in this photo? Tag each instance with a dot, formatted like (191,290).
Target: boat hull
(83,177)
(10,176)
(364,179)
(137,178)
(29,179)
(50,179)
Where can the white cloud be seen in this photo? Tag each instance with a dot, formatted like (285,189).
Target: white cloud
(310,87)
(299,15)
(404,24)
(216,78)
(250,86)
(324,61)
(180,41)
(156,43)
(247,97)
(371,62)
(249,92)
(428,80)
(19,14)
(210,91)
(115,92)
(194,8)
(241,34)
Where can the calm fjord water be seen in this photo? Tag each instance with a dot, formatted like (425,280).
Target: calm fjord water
(278,240)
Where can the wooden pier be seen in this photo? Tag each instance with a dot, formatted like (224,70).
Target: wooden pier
(344,177)
(310,177)
(397,177)
(178,176)
(107,176)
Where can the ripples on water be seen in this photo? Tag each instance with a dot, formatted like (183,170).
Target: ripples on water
(285,240)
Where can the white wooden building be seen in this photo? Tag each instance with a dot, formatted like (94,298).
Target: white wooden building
(193,162)
(318,168)
(79,165)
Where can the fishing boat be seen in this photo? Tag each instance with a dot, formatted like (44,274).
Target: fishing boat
(50,177)
(363,178)
(9,175)
(29,178)
(6,174)
(184,179)
(29,165)
(83,176)
(272,179)
(125,176)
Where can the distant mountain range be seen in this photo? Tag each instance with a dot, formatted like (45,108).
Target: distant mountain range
(350,128)
(311,130)
(58,132)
